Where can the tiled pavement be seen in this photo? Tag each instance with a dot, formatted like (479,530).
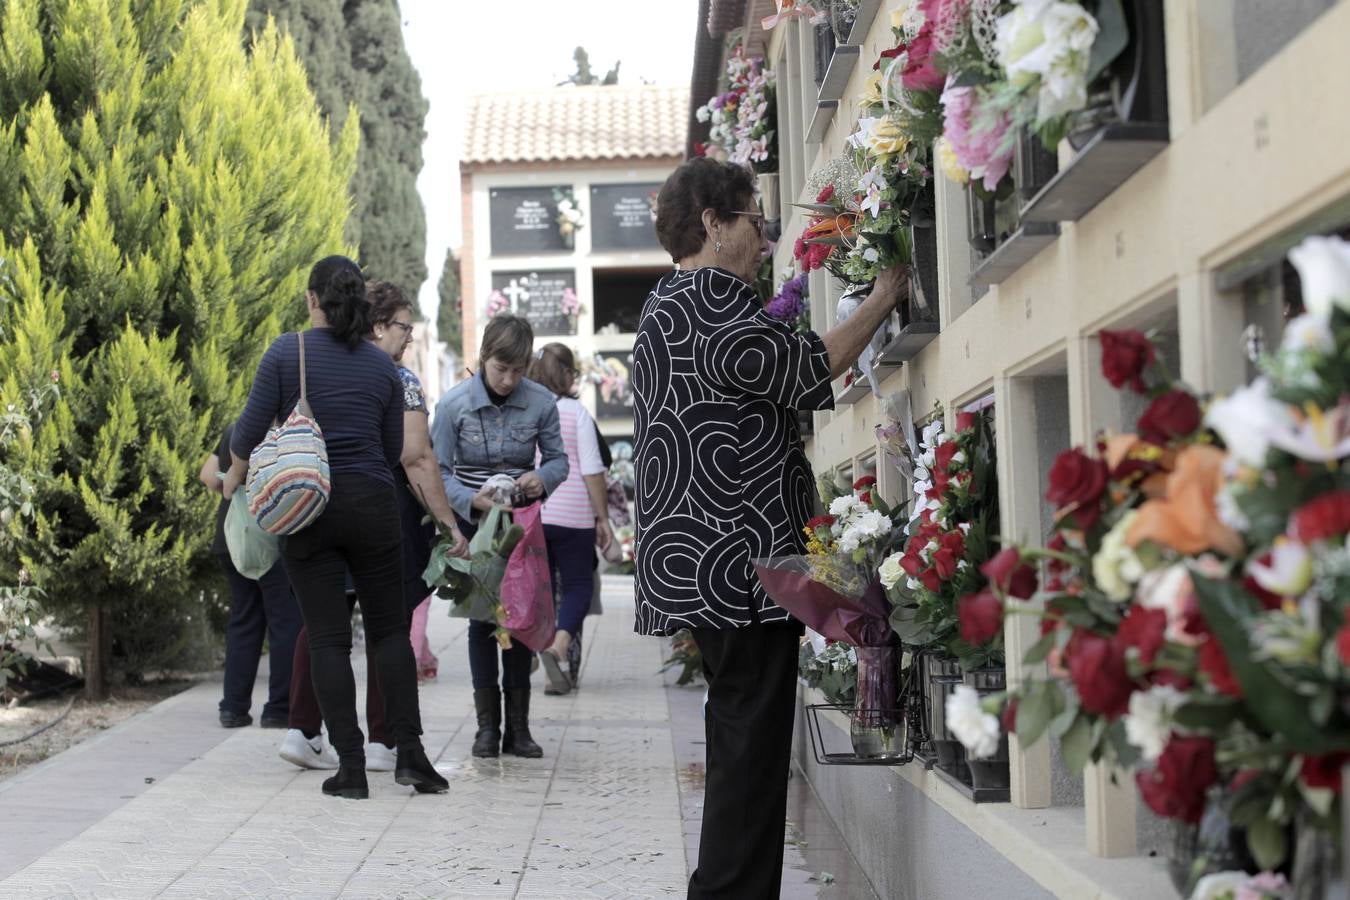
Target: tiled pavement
(169,804)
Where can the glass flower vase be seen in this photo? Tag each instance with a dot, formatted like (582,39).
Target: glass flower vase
(876,727)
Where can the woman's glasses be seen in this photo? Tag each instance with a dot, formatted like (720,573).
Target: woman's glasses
(756,219)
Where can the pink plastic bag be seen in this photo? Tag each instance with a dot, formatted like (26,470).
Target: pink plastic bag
(527,587)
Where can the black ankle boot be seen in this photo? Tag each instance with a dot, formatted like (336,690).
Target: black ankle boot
(487,702)
(349,782)
(413,768)
(517,740)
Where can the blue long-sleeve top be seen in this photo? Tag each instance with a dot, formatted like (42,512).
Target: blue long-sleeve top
(473,437)
(355,393)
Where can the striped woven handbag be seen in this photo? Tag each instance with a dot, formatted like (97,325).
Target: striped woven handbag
(288,476)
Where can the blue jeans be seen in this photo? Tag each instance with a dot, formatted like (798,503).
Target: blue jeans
(258,609)
(571,554)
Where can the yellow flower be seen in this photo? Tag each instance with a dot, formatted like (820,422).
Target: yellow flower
(898,15)
(950,165)
(872,95)
(887,139)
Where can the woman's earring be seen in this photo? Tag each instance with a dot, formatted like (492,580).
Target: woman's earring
(717,246)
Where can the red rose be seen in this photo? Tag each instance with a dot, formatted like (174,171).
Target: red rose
(1175,787)
(1343,644)
(1097,667)
(888,54)
(1171,679)
(824,521)
(1173,415)
(1125,356)
(700,148)
(1142,629)
(1214,663)
(911,563)
(944,561)
(865,482)
(1009,574)
(1057,544)
(1010,716)
(981,617)
(826,194)
(1323,771)
(1077,480)
(965,421)
(1326,517)
(944,454)
(931,579)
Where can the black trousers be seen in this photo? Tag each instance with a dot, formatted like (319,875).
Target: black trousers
(259,609)
(359,532)
(752,689)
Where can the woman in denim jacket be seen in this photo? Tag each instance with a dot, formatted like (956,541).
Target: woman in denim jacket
(488,425)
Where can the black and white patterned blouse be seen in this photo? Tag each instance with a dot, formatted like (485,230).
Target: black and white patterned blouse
(721,475)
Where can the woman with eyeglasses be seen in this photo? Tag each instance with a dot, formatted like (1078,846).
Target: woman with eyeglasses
(722,479)
(576,514)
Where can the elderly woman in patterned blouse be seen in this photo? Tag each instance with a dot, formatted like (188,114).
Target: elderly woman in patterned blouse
(722,478)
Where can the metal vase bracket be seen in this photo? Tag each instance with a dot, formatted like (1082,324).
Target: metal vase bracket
(990,775)
(941,677)
(1134,86)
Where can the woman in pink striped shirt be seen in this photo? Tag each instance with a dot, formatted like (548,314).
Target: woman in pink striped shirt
(576,514)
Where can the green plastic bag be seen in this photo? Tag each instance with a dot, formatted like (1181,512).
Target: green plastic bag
(473,585)
(253,551)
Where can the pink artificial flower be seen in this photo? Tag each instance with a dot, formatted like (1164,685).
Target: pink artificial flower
(977,147)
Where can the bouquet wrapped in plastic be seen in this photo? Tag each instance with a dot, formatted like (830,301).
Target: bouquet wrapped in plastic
(835,591)
(504,581)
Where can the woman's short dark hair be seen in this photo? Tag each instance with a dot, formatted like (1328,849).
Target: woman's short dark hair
(553,367)
(341,289)
(386,300)
(699,184)
(507,338)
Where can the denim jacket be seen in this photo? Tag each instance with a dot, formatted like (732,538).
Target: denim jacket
(468,430)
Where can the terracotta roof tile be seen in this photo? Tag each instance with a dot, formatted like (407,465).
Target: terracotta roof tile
(576,123)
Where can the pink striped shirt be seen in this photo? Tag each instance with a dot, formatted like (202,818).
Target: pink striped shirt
(570,505)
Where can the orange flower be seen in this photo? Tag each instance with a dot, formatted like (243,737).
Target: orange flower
(833,226)
(1185,519)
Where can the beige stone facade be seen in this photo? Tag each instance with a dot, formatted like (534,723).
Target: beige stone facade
(1191,245)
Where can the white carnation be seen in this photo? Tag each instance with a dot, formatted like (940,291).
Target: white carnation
(1148,724)
(976,729)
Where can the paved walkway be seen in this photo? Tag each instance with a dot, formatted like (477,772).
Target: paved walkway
(169,804)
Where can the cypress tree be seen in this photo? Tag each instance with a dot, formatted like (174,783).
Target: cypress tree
(355,54)
(163,193)
(450,313)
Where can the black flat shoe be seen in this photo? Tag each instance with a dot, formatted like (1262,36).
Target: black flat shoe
(349,783)
(414,769)
(274,722)
(234,719)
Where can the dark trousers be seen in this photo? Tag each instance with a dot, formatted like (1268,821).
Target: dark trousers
(484,649)
(258,609)
(752,689)
(358,532)
(571,552)
(305,714)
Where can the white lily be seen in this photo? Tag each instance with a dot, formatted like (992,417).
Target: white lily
(1323,265)
(1290,571)
(1247,419)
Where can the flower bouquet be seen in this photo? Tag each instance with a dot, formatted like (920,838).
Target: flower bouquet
(473,585)
(743,117)
(834,591)
(955,502)
(791,305)
(1195,613)
(570,219)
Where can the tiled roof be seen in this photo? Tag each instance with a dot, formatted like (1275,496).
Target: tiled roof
(577,123)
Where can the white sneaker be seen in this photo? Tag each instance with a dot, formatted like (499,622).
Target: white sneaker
(379,757)
(307,753)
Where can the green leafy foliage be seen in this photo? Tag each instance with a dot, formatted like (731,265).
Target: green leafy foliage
(450,312)
(685,655)
(356,59)
(165,193)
